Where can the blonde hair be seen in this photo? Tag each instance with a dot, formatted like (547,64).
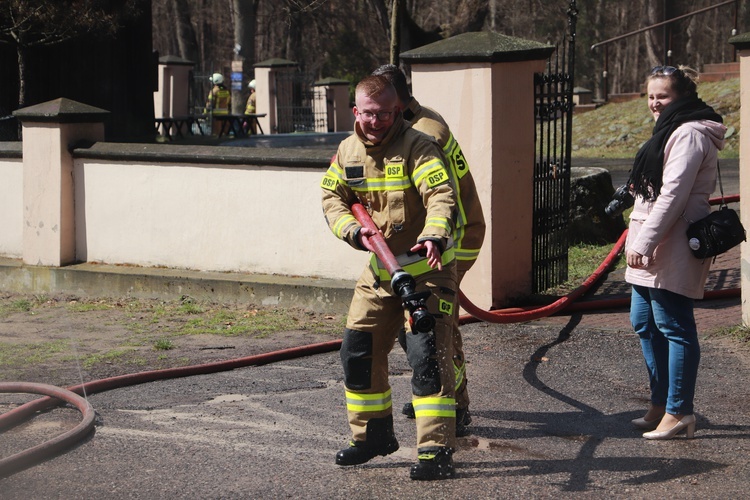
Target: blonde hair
(683,79)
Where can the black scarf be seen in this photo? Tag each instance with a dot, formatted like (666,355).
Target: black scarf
(646,176)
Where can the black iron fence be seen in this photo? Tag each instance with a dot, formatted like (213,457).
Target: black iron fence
(553,91)
(297,103)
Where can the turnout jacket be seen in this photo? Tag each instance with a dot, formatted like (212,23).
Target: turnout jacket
(403,183)
(470,225)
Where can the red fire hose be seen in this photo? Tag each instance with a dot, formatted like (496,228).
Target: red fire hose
(33,455)
(37,453)
(402,283)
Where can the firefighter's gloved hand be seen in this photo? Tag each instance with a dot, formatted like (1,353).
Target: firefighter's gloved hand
(432,251)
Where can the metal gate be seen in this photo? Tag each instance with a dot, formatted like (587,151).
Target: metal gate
(298,104)
(553,93)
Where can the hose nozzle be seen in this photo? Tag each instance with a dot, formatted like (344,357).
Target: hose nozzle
(415,302)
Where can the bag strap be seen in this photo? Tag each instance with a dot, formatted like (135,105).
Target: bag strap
(721,187)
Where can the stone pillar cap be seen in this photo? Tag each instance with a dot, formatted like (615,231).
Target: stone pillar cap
(175,60)
(61,110)
(741,41)
(275,63)
(331,81)
(481,46)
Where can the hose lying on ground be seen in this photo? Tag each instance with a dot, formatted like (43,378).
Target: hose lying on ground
(55,395)
(37,453)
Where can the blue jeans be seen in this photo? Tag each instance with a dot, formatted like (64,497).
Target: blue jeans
(669,339)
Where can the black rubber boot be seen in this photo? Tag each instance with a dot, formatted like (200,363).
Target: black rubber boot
(434,464)
(408,410)
(463,419)
(380,441)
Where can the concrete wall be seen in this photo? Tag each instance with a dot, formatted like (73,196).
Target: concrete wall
(188,210)
(11,207)
(241,218)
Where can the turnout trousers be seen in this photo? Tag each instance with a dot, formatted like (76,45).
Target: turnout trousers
(376,315)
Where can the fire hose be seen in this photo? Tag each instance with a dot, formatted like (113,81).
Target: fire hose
(402,282)
(405,285)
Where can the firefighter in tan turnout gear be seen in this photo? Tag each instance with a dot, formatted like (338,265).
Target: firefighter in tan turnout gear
(470,226)
(399,174)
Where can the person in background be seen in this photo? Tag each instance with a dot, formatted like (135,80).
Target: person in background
(673,175)
(470,225)
(219,100)
(250,109)
(400,176)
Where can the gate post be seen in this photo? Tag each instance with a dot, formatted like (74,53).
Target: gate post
(483,85)
(171,99)
(266,94)
(742,45)
(335,94)
(50,130)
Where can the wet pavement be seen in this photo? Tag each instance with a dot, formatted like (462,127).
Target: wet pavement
(552,401)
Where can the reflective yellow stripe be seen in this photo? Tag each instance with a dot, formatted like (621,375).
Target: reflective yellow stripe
(460,372)
(434,407)
(458,167)
(335,171)
(466,254)
(382,184)
(341,224)
(415,268)
(439,222)
(368,402)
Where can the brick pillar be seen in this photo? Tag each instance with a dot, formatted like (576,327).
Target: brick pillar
(50,130)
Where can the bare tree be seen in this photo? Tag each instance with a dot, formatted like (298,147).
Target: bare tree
(26,24)
(186,39)
(244,17)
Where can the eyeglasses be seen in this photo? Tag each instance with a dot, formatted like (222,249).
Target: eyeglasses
(664,70)
(382,115)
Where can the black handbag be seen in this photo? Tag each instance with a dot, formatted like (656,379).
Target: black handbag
(717,232)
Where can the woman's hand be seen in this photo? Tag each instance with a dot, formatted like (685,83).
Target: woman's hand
(635,260)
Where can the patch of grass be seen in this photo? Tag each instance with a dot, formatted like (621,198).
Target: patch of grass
(16,355)
(164,345)
(115,355)
(26,304)
(257,322)
(739,333)
(22,305)
(584,259)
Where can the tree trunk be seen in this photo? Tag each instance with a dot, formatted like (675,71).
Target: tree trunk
(395,30)
(21,51)
(652,47)
(245,21)
(187,42)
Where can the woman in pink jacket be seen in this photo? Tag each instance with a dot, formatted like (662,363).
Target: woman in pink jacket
(673,175)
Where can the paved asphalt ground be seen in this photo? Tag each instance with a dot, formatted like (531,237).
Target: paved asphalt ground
(552,401)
